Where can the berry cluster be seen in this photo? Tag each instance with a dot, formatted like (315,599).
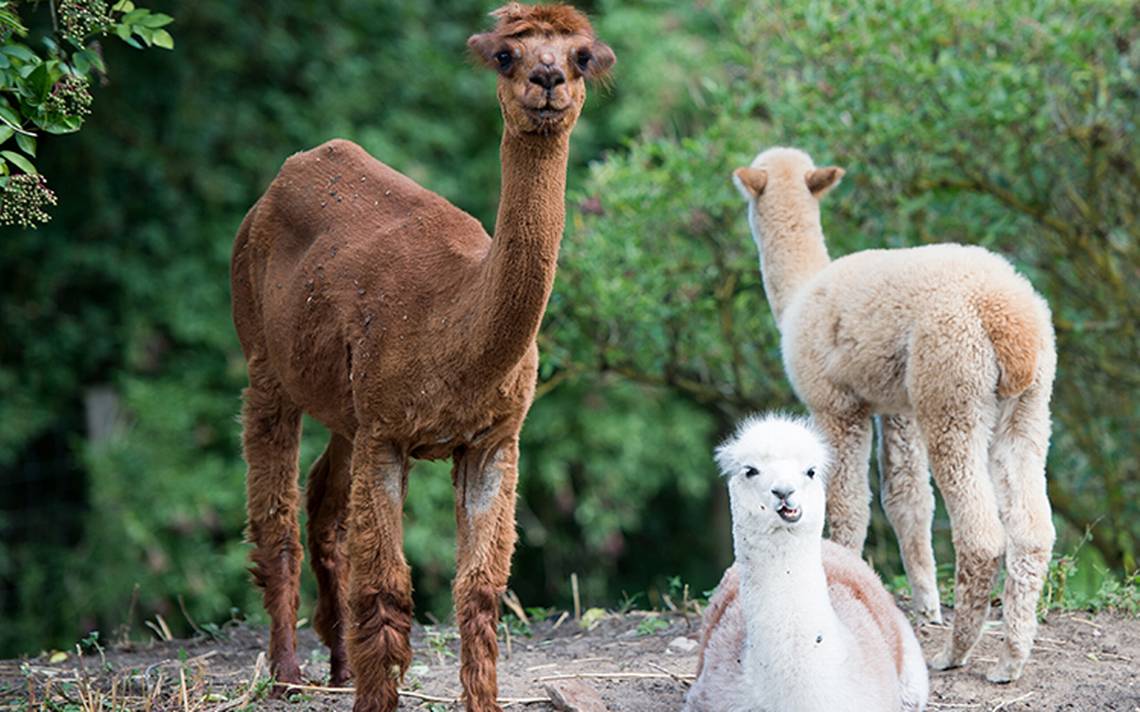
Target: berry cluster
(79,19)
(22,200)
(70,96)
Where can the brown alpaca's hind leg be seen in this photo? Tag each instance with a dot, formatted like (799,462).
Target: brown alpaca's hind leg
(848,486)
(380,582)
(908,500)
(957,443)
(328,525)
(485,531)
(271,430)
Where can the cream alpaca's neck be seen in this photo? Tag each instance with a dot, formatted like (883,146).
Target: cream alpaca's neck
(794,640)
(518,273)
(790,240)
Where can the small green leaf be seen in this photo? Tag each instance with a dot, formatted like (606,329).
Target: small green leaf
(134,17)
(19,51)
(123,6)
(163,39)
(19,161)
(146,34)
(157,20)
(8,116)
(26,143)
(81,63)
(97,61)
(124,32)
(6,133)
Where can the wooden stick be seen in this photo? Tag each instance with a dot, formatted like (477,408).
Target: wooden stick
(577,600)
(511,601)
(614,676)
(422,696)
(677,678)
(1002,705)
(561,619)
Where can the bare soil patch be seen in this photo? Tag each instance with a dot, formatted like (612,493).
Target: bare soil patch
(635,662)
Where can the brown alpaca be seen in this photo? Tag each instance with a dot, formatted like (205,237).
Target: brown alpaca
(390,316)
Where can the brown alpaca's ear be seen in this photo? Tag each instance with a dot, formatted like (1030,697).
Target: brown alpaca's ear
(599,60)
(821,180)
(750,181)
(484,48)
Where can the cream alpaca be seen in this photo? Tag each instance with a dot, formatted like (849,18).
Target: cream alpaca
(798,624)
(955,350)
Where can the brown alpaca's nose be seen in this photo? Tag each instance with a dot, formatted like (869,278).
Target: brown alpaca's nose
(547,76)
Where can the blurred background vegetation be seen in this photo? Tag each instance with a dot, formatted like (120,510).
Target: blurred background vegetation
(1008,125)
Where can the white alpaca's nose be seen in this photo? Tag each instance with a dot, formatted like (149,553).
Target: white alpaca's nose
(783,491)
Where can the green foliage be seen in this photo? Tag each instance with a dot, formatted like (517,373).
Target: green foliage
(44,86)
(651,624)
(1010,126)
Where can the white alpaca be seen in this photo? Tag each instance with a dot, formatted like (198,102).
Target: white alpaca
(798,624)
(955,350)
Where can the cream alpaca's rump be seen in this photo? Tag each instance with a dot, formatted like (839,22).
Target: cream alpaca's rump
(797,624)
(955,350)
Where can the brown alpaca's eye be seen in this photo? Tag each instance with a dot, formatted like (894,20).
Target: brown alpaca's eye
(751,472)
(504,58)
(583,59)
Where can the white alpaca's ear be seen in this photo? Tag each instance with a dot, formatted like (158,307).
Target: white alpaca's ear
(750,181)
(726,458)
(821,180)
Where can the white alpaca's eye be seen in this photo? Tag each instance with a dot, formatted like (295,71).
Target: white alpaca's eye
(751,472)
(810,472)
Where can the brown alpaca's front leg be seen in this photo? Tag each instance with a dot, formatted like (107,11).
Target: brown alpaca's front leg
(328,520)
(271,430)
(485,529)
(380,583)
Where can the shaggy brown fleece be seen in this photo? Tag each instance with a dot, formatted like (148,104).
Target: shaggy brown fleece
(391,317)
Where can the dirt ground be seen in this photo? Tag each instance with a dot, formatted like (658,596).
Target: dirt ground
(637,663)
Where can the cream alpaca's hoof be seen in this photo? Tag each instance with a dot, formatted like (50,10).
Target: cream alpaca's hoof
(1005,671)
(945,661)
(928,615)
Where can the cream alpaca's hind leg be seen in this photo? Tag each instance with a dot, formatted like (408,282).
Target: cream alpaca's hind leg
(848,488)
(1017,465)
(958,459)
(908,501)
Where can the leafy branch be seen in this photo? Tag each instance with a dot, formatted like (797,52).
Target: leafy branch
(45,86)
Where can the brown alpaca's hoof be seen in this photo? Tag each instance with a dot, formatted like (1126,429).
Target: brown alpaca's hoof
(339,675)
(284,676)
(384,702)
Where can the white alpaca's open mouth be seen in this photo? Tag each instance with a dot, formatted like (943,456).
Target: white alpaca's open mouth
(789,514)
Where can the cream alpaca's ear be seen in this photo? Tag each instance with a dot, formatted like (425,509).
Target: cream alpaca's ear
(821,180)
(750,181)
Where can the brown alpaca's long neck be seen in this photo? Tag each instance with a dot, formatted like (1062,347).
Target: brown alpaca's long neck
(792,251)
(518,273)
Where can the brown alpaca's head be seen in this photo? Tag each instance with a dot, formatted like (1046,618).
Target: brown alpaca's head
(543,54)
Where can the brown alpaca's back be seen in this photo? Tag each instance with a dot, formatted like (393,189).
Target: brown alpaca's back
(345,257)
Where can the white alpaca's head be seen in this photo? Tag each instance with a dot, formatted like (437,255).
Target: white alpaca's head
(776,467)
(784,173)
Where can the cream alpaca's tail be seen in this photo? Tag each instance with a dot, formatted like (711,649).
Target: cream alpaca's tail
(1008,318)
